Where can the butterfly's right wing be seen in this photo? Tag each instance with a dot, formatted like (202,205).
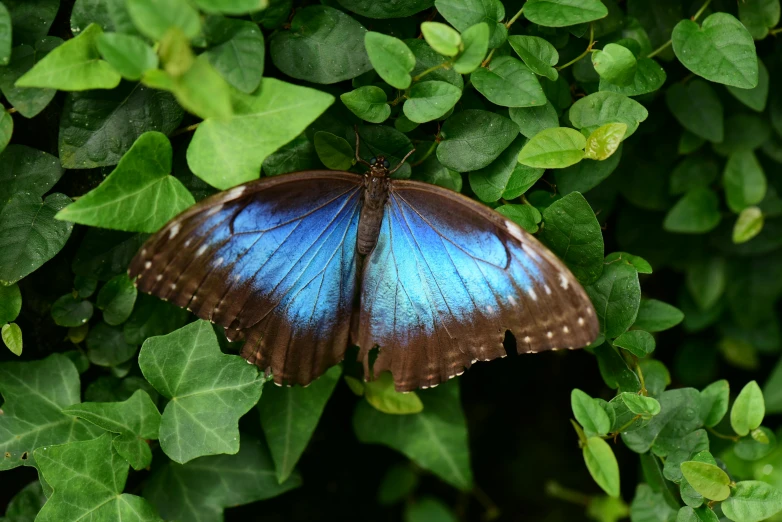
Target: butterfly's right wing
(272,261)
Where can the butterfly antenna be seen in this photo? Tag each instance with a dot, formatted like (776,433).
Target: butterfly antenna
(358,144)
(401,162)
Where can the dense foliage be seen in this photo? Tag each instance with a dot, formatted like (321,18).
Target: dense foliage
(640,140)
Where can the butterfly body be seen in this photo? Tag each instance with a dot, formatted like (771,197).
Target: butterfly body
(299,266)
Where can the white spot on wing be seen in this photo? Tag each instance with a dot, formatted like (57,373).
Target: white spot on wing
(214,210)
(159,277)
(236,192)
(174,230)
(512,300)
(548,289)
(200,250)
(147,265)
(514,230)
(563,281)
(580,321)
(532,294)
(219,261)
(565,329)
(490,309)
(549,334)
(527,339)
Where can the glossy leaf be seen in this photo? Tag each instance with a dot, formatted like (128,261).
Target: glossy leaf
(600,108)
(537,54)
(473,139)
(553,148)
(589,413)
(532,120)
(391,58)
(601,463)
(116,299)
(637,342)
(561,13)
(656,316)
(28,101)
(368,103)
(430,100)
(616,295)
(748,410)
(752,501)
(475,43)
(509,83)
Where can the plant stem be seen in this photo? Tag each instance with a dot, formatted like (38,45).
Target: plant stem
(554,489)
(701,10)
(492,511)
(694,18)
(12,110)
(660,49)
(734,438)
(515,17)
(586,52)
(774,32)
(430,69)
(184,130)
(488,58)
(621,429)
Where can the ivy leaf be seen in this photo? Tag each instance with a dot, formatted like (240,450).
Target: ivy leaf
(28,101)
(431,100)
(381,394)
(748,225)
(129,55)
(187,368)
(200,490)
(153,22)
(744,181)
(707,479)
(140,195)
(236,51)
(475,43)
(289,417)
(714,402)
(73,66)
(589,413)
(637,342)
(116,299)
(752,501)
(600,108)
(35,394)
(554,148)
(615,63)
(227,152)
(697,212)
(133,420)
(537,54)
(601,463)
(509,83)
(368,103)
(23,169)
(562,13)
(616,295)
(435,439)
(748,410)
(656,316)
(697,108)
(29,234)
(93,472)
(473,139)
(463,14)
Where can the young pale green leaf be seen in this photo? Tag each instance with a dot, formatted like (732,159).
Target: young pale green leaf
(29,234)
(435,439)
(562,13)
(69,310)
(12,338)
(289,417)
(706,281)
(600,108)
(140,195)
(475,44)
(28,101)
(589,413)
(756,97)
(323,45)
(526,216)
(188,368)
(473,139)
(35,394)
(617,297)
(538,54)
(553,148)
(748,225)
(391,58)
(572,232)
(601,463)
(116,299)
(153,18)
(135,421)
(615,63)
(656,316)
(714,402)
(107,346)
(640,264)
(707,479)
(641,405)
(758,16)
(748,409)
(752,501)
(10,303)
(93,472)
(431,100)
(368,103)
(696,106)
(506,81)
(532,120)
(442,38)
(236,51)
(383,397)
(697,212)
(227,152)
(604,141)
(648,77)
(202,489)
(233,7)
(129,55)
(637,342)
(721,50)
(73,66)
(463,14)
(335,152)
(491,182)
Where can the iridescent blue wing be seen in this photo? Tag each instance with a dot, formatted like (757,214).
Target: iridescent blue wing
(449,277)
(272,261)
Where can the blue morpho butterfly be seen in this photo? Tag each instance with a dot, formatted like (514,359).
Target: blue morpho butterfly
(300,265)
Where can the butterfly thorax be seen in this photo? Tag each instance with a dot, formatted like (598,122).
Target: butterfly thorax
(376,186)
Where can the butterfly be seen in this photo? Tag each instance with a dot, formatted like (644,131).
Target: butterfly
(302,265)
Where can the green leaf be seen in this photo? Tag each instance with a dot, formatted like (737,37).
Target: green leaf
(23,169)
(427,59)
(526,216)
(748,409)
(758,16)
(29,234)
(641,405)
(116,299)
(12,338)
(107,346)
(383,397)
(537,54)
(616,296)
(640,264)
(748,225)
(572,232)
(25,504)
(140,195)
(133,420)
(648,77)
(129,55)
(759,445)
(743,132)
(71,311)
(28,101)
(236,51)
(235,7)
(428,509)
(561,13)
(93,472)
(706,281)
(335,152)
(473,139)
(435,439)
(323,45)
(509,83)
(756,97)
(372,9)
(151,317)
(111,15)
(637,342)
(392,59)
(35,394)
(432,171)
(430,100)
(98,127)
(616,374)
(707,479)
(601,463)
(202,489)
(521,180)
(714,402)
(699,514)
(696,106)
(399,481)
(744,181)
(532,120)
(10,303)
(381,140)
(187,368)
(615,64)
(153,18)
(491,182)
(73,66)
(5,35)
(692,172)
(597,109)
(752,501)
(651,506)
(463,14)
(589,413)
(227,152)
(553,148)
(656,316)
(368,103)
(697,212)
(475,43)
(586,174)
(604,141)
(289,416)
(31,20)
(442,38)
(721,51)
(678,417)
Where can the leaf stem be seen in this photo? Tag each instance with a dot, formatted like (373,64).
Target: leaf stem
(556,490)
(492,511)
(701,10)
(11,110)
(515,17)
(660,49)
(183,130)
(431,69)
(734,438)
(586,52)
(774,32)
(488,58)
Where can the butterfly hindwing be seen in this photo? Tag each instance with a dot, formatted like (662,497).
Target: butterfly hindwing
(449,277)
(272,261)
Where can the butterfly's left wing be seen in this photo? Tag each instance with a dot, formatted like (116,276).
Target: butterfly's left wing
(449,277)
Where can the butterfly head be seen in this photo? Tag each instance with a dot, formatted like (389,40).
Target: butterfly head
(379,166)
